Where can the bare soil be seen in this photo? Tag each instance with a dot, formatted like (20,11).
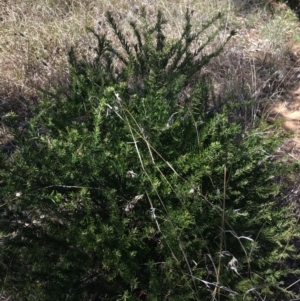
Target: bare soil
(288,109)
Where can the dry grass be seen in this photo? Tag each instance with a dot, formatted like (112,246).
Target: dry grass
(36,35)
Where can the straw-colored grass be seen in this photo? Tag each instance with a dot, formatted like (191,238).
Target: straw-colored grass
(35,35)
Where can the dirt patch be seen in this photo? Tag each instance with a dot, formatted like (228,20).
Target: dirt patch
(288,109)
(290,112)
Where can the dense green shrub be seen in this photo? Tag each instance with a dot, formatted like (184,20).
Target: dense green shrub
(133,185)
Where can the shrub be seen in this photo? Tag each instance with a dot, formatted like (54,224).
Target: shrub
(133,185)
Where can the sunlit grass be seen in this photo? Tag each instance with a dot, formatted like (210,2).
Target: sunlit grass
(36,34)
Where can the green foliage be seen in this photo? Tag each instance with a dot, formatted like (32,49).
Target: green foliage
(133,185)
